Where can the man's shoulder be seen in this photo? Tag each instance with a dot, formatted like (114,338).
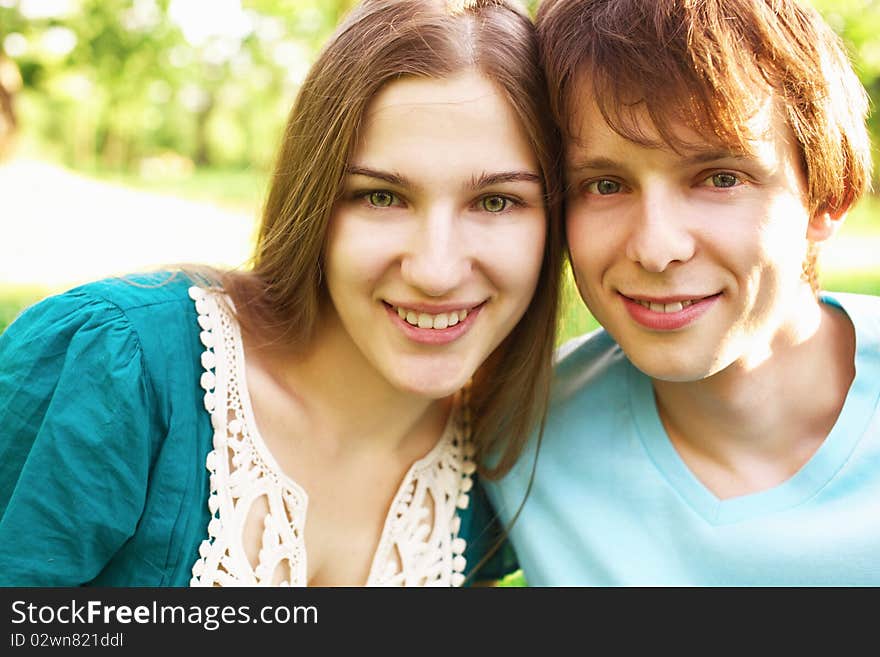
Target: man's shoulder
(588,364)
(582,345)
(864,312)
(861,303)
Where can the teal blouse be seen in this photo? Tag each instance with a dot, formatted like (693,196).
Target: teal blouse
(103,440)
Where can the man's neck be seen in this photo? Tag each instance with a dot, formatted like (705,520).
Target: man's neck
(750,428)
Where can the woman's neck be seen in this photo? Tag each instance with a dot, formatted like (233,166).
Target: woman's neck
(346,403)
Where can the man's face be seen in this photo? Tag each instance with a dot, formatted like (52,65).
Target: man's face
(692,261)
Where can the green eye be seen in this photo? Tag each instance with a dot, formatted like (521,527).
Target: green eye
(724,180)
(603,187)
(381,199)
(494,203)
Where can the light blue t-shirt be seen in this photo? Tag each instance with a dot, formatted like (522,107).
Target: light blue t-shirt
(613,504)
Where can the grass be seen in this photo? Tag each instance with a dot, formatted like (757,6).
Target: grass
(515,579)
(14,299)
(864,219)
(574,318)
(859,281)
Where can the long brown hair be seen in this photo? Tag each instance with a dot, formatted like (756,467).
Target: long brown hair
(279,298)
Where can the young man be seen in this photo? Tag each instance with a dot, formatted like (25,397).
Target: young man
(723,428)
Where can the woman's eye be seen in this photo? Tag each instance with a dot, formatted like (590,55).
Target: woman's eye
(603,187)
(381,199)
(723,180)
(494,203)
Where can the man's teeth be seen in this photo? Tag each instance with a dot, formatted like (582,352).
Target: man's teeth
(426,321)
(666,307)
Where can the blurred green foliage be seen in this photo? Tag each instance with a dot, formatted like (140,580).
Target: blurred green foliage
(162,85)
(858,23)
(15,299)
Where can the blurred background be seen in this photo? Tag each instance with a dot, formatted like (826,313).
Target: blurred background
(135,133)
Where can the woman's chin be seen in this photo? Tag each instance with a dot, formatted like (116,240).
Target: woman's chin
(430,385)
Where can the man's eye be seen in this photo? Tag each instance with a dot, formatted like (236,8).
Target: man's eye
(723,180)
(603,187)
(381,199)
(494,203)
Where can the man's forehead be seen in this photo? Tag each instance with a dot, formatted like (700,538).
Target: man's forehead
(694,137)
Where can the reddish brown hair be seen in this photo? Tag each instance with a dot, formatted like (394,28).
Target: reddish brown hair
(700,63)
(380,41)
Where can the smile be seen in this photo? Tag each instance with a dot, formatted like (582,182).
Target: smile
(668,314)
(434,328)
(673,307)
(428,321)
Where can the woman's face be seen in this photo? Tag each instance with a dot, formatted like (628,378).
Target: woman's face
(435,247)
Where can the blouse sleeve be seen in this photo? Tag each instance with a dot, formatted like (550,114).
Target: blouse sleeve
(74,440)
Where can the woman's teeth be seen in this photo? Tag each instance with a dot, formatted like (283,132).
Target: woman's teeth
(426,321)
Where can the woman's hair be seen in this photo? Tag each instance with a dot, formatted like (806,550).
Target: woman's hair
(380,41)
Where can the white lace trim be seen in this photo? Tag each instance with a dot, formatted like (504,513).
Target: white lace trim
(418,546)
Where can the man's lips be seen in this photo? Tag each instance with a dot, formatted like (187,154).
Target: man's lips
(669,303)
(668,313)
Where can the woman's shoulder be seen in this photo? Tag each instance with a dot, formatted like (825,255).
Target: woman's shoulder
(155,292)
(121,294)
(100,379)
(150,313)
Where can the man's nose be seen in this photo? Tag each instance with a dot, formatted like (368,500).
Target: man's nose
(659,234)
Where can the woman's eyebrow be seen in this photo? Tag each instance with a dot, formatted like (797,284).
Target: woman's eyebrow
(477,182)
(487,179)
(388,176)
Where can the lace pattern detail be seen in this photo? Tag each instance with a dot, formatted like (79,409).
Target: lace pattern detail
(420,543)
(412,551)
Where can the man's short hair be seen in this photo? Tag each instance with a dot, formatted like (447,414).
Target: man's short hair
(704,64)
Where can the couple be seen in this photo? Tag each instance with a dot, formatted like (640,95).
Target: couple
(376,401)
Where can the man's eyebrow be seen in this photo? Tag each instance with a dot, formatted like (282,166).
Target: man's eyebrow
(595,163)
(388,176)
(712,155)
(693,157)
(487,179)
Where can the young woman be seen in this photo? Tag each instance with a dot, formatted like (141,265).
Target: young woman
(318,419)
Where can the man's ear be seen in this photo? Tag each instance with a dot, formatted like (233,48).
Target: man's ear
(825,223)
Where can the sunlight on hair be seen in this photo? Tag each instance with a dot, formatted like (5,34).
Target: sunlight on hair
(455,7)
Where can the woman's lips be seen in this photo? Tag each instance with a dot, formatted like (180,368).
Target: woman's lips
(435,336)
